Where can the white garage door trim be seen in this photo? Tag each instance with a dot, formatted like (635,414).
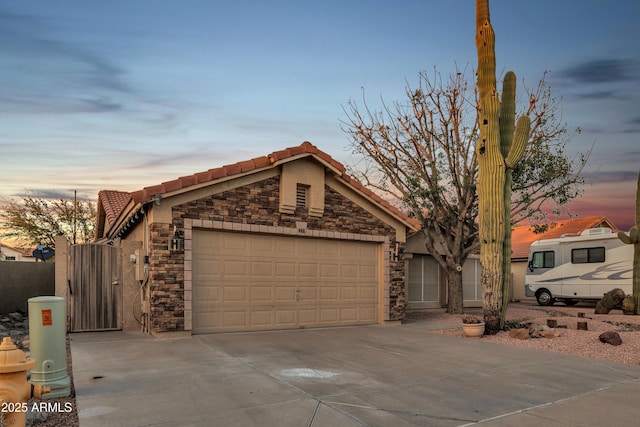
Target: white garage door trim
(248,281)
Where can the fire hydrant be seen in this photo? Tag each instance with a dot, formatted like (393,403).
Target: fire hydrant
(15,390)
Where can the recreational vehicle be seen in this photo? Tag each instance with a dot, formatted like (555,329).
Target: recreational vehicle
(578,267)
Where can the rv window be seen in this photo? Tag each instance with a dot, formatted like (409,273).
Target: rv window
(543,259)
(587,255)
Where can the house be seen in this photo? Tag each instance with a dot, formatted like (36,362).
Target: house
(427,281)
(8,253)
(287,240)
(522,236)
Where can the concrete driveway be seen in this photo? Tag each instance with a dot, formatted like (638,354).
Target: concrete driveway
(360,376)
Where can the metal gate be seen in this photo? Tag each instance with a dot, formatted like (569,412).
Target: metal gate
(94,287)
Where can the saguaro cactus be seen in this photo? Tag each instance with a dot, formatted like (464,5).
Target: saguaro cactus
(633,238)
(500,147)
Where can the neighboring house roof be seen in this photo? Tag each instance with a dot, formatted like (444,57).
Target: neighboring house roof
(11,251)
(201,179)
(523,236)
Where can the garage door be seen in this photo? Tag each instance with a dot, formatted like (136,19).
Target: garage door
(248,282)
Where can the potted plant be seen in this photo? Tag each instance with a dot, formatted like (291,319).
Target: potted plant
(472,326)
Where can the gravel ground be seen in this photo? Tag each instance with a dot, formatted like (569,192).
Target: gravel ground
(570,340)
(16,326)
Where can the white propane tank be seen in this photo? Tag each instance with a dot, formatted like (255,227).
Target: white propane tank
(48,345)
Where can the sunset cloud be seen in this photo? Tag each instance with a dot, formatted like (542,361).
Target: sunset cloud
(125,94)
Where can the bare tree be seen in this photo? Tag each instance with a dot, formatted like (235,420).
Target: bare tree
(421,153)
(38,221)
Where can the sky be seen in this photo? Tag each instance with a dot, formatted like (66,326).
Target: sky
(125,94)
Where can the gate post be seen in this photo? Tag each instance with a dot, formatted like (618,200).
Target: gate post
(62,275)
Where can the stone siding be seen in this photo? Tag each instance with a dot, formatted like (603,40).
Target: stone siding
(166,281)
(256,204)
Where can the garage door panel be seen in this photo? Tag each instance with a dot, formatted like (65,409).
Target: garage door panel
(307,247)
(349,293)
(349,314)
(307,316)
(367,272)
(244,281)
(368,295)
(307,294)
(367,315)
(367,251)
(234,294)
(262,268)
(330,248)
(331,315)
(262,294)
(285,269)
(261,318)
(329,271)
(349,271)
(308,270)
(284,248)
(234,319)
(232,268)
(285,294)
(207,319)
(261,245)
(329,293)
(285,318)
(235,243)
(206,293)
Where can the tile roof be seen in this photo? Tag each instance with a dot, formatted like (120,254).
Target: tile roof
(523,236)
(117,201)
(113,202)
(148,193)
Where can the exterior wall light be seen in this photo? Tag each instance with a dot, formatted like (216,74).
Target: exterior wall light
(176,243)
(396,252)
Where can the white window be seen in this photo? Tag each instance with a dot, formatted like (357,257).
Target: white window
(424,279)
(471,289)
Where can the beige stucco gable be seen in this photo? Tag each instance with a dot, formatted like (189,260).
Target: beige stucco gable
(310,175)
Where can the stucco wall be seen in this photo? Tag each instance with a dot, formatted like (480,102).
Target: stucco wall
(518,271)
(20,281)
(257,204)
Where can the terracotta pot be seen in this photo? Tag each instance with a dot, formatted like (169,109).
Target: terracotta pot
(473,330)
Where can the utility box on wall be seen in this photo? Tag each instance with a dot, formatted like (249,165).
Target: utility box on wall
(48,345)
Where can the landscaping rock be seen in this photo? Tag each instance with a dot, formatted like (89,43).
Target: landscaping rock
(520,334)
(534,330)
(16,317)
(16,326)
(611,337)
(550,334)
(35,418)
(611,300)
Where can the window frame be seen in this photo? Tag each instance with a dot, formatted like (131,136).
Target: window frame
(544,259)
(595,254)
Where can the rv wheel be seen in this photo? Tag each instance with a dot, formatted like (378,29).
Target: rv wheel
(544,297)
